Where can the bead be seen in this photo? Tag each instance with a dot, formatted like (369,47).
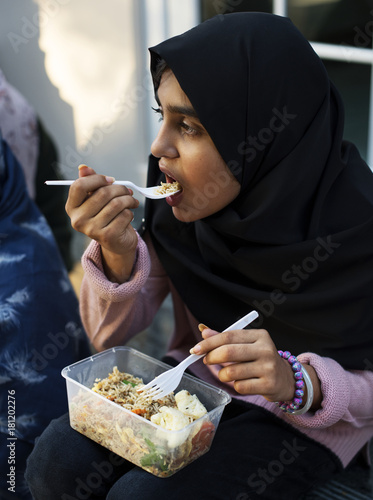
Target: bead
(293,406)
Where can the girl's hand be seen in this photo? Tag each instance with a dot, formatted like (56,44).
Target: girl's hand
(103,212)
(254,365)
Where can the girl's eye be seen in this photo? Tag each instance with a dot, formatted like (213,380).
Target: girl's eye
(188,129)
(159,112)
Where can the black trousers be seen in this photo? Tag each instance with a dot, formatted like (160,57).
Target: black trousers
(254,455)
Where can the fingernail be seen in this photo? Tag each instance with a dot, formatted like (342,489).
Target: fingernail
(196,349)
(202,327)
(82,166)
(110,180)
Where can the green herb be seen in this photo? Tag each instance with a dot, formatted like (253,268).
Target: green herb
(127,382)
(155,457)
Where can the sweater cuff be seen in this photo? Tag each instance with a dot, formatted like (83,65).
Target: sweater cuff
(105,289)
(334,388)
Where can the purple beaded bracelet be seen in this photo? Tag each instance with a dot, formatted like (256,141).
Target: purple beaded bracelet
(294,405)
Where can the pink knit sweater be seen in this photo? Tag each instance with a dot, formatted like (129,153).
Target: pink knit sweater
(114,313)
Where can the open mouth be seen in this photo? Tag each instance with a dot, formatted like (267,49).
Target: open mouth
(174,199)
(171,180)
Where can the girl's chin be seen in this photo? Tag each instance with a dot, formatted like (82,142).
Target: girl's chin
(183,214)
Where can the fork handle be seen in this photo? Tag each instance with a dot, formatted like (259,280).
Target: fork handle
(244,321)
(189,360)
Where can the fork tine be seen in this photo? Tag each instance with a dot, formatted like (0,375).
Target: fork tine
(160,390)
(152,393)
(158,394)
(157,380)
(164,389)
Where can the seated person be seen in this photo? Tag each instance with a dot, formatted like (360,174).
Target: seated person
(41,331)
(37,155)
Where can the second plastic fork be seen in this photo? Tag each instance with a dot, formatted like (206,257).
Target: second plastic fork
(168,381)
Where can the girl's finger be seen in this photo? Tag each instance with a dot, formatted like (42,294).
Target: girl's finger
(232,353)
(85,186)
(207,333)
(215,339)
(84,170)
(121,214)
(241,371)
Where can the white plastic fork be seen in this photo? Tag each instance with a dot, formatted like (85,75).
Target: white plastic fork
(168,381)
(149,192)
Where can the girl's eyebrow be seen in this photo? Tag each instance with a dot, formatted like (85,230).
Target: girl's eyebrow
(182,110)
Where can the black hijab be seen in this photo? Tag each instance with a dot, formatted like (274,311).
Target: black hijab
(297,243)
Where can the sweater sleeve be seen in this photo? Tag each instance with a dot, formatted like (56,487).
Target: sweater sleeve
(346,395)
(112,313)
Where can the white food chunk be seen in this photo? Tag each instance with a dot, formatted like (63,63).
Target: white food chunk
(190,405)
(170,419)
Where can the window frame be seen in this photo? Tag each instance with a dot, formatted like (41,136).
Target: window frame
(344,53)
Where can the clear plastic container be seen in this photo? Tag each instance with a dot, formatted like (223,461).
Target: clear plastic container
(157,450)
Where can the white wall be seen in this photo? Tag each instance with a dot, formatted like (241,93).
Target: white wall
(83,65)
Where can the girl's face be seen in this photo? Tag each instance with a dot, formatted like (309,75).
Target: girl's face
(187,155)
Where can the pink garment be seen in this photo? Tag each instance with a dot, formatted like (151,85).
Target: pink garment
(18,126)
(113,313)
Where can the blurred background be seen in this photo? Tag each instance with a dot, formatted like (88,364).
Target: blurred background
(83,66)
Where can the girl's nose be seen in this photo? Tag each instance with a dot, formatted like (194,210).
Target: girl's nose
(163,145)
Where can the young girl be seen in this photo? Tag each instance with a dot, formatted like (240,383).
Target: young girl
(275,214)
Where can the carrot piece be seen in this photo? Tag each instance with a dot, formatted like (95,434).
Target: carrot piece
(139,411)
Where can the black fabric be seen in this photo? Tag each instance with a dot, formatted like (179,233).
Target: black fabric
(274,461)
(52,205)
(297,243)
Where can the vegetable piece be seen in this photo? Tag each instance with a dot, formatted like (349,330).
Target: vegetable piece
(190,405)
(139,411)
(127,382)
(154,458)
(202,440)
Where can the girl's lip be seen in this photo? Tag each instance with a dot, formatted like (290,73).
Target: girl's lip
(174,199)
(167,173)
